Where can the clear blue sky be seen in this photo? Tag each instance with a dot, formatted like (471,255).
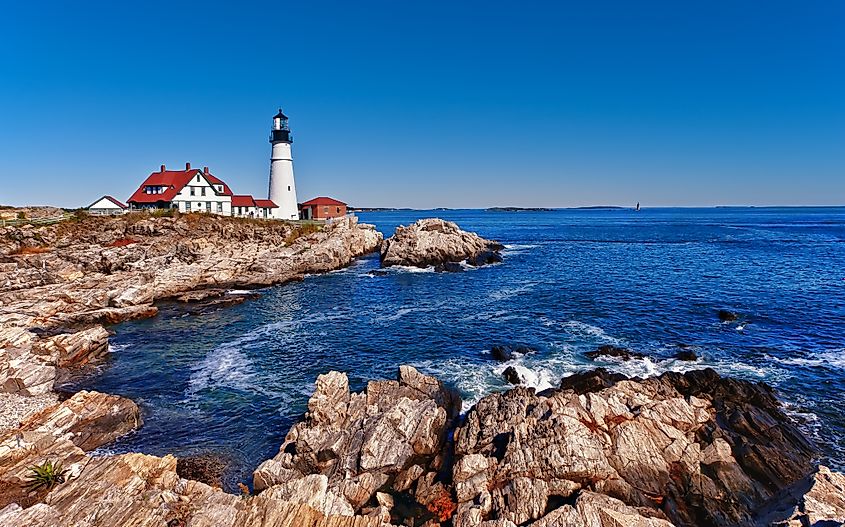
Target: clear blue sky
(435,103)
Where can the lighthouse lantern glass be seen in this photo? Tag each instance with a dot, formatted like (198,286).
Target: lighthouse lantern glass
(283,124)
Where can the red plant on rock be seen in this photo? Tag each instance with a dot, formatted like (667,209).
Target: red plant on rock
(443,506)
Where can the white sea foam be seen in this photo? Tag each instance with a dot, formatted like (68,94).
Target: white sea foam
(239,292)
(225,367)
(826,359)
(508,292)
(516,248)
(581,329)
(116,348)
(412,269)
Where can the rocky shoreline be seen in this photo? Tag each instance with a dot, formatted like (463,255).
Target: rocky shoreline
(600,450)
(61,284)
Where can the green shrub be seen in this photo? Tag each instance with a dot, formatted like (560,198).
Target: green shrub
(162,213)
(46,475)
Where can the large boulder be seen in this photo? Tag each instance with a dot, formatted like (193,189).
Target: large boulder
(435,242)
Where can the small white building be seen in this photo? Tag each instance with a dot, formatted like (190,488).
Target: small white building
(107,206)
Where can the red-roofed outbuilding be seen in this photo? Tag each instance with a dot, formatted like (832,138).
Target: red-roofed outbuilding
(322,208)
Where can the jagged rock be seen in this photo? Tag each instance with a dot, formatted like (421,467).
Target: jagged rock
(613,351)
(25,373)
(504,353)
(695,446)
(512,376)
(727,316)
(360,441)
(590,381)
(817,501)
(311,490)
(485,258)
(687,355)
(72,349)
(597,510)
(448,267)
(434,241)
(501,353)
(89,419)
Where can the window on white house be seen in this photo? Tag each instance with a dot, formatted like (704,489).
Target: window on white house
(188,206)
(208,206)
(202,191)
(198,178)
(219,206)
(193,191)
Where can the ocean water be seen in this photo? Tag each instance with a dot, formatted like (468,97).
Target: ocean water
(235,380)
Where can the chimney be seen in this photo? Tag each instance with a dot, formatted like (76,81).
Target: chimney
(205,170)
(163,168)
(187,166)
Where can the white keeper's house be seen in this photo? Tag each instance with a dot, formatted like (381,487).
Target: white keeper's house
(194,190)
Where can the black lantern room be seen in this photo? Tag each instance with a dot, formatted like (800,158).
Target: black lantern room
(280,131)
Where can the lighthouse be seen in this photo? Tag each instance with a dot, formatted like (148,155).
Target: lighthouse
(282,187)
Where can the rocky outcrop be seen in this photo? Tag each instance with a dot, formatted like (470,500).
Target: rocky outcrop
(146,491)
(393,434)
(95,271)
(436,242)
(132,489)
(690,449)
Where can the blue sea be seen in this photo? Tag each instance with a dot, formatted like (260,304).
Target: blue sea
(234,381)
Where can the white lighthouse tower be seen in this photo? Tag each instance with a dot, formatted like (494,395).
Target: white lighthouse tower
(282,187)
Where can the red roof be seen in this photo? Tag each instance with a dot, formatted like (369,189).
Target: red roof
(322,200)
(243,201)
(217,181)
(119,204)
(265,204)
(172,181)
